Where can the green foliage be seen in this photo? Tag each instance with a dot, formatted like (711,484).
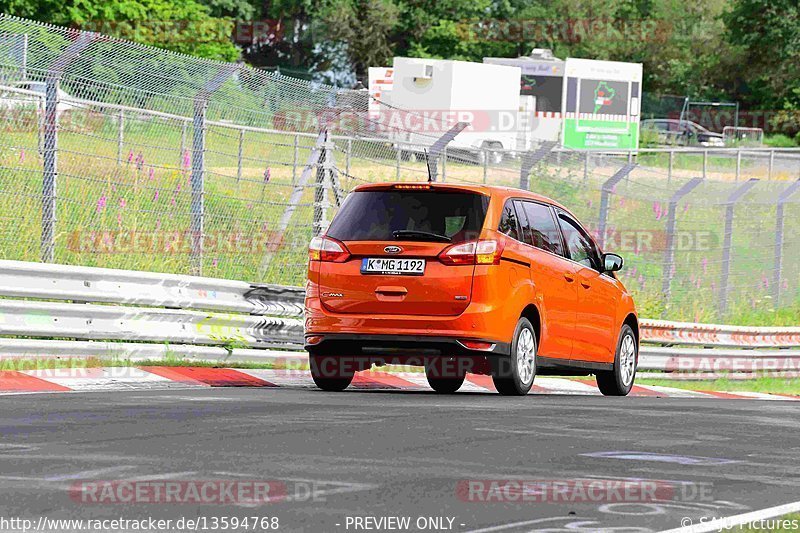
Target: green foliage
(779,140)
(184,26)
(767,32)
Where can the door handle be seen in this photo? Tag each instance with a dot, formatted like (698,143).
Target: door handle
(586,285)
(569,277)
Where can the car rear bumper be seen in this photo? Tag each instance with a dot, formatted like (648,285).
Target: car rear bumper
(399,346)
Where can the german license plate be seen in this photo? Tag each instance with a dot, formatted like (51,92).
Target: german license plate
(393,266)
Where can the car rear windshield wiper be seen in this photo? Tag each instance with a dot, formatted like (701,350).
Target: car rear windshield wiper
(420,235)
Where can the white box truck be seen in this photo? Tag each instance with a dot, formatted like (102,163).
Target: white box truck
(430,95)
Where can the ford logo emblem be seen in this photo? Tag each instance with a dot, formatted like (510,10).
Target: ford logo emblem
(392,249)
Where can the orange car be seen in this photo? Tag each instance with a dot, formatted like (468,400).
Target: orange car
(488,280)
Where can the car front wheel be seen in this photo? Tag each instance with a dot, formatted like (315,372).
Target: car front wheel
(513,376)
(619,380)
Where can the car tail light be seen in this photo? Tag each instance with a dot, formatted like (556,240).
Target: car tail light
(327,250)
(483,252)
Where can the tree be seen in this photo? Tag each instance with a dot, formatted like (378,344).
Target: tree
(767,34)
(182,25)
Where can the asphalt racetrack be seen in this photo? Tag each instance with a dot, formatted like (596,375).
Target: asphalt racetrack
(349,461)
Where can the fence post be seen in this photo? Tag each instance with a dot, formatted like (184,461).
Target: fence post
(669,168)
(485,163)
(197,177)
(240,156)
(728,243)
(397,162)
(50,167)
(184,126)
(586,167)
(197,209)
(606,191)
(669,250)
(779,215)
(529,159)
(738,163)
(294,157)
(120,135)
(705,163)
(321,188)
(50,143)
(347,157)
(771,164)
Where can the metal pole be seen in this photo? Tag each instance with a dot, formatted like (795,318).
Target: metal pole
(485,164)
(397,163)
(197,184)
(444,164)
(241,154)
(347,157)
(320,192)
(728,243)
(771,164)
(120,135)
(184,126)
(705,163)
(586,167)
(294,160)
(50,167)
(671,162)
(779,215)
(669,250)
(606,192)
(738,163)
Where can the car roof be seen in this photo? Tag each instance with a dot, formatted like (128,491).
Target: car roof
(496,191)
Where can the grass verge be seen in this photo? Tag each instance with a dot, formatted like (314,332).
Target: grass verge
(769,385)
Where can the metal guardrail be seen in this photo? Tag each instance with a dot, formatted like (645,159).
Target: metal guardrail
(144,315)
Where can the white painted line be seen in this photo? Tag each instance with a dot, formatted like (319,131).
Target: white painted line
(515,524)
(737,520)
(758,395)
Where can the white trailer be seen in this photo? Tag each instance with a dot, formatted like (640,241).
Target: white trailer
(430,95)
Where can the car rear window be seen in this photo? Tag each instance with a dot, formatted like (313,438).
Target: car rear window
(375,215)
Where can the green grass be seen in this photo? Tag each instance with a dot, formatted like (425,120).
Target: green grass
(769,523)
(770,385)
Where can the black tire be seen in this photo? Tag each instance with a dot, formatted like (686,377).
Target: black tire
(331,373)
(506,370)
(442,378)
(619,381)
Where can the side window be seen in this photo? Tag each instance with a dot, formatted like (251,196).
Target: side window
(524,225)
(580,246)
(508,223)
(543,231)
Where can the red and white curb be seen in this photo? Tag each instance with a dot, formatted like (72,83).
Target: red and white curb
(158,377)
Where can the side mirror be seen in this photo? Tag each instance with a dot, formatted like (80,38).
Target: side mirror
(612,263)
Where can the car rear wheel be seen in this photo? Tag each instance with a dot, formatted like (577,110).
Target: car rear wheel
(619,381)
(513,376)
(331,373)
(442,377)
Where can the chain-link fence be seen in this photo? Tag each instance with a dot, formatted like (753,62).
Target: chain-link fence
(118,155)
